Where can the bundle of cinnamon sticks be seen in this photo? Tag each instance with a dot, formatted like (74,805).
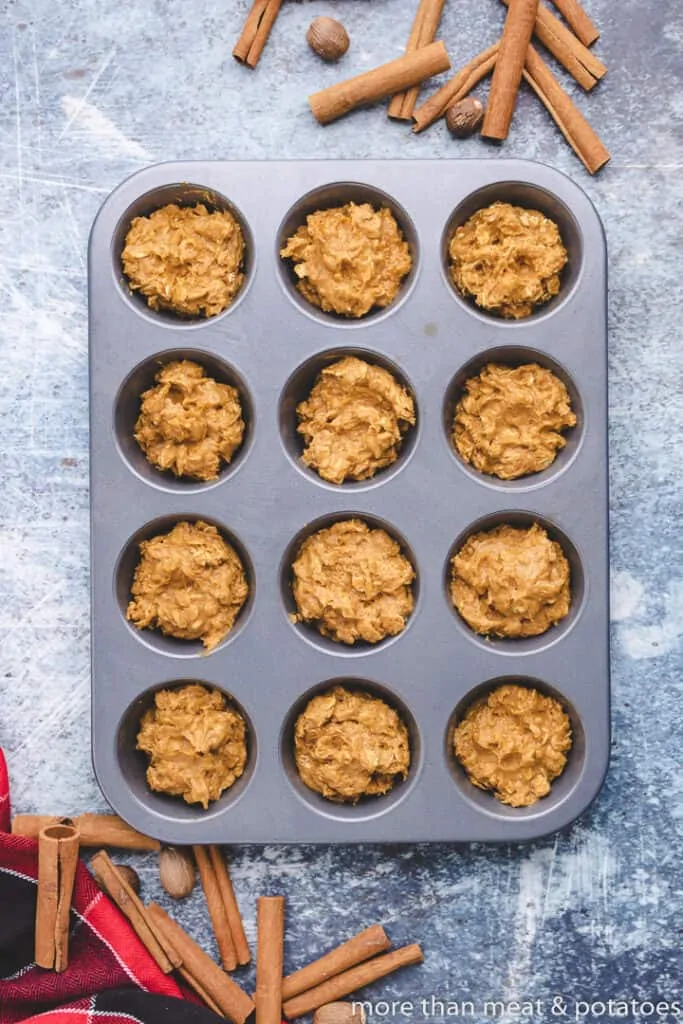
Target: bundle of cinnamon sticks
(514,59)
(361,960)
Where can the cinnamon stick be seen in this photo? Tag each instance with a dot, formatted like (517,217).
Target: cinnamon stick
(116,886)
(200,990)
(569,119)
(257,27)
(176,959)
(507,74)
(232,1001)
(348,982)
(382,81)
(232,911)
(57,862)
(216,908)
(422,33)
(361,947)
(455,89)
(94,830)
(577,19)
(270,927)
(577,59)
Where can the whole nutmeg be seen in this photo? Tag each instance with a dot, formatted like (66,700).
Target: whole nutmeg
(464,117)
(328,38)
(130,875)
(177,871)
(339,1013)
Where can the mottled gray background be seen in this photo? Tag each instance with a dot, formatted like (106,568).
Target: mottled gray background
(92,91)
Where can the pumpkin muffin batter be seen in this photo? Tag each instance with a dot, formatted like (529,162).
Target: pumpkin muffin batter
(508,259)
(349,259)
(349,745)
(197,744)
(511,582)
(189,423)
(514,742)
(354,420)
(509,422)
(189,583)
(353,583)
(186,259)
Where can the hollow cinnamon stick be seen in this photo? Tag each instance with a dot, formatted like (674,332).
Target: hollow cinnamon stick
(569,119)
(382,81)
(94,830)
(455,89)
(422,33)
(232,911)
(116,886)
(361,947)
(270,928)
(580,23)
(257,28)
(216,908)
(577,59)
(57,862)
(507,74)
(348,982)
(233,1002)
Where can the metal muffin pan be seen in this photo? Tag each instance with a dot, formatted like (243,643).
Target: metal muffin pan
(271,344)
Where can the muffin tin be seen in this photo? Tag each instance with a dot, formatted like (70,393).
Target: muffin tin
(271,344)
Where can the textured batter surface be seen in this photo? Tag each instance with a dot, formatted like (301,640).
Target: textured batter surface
(591,913)
(511,582)
(510,421)
(354,420)
(189,583)
(349,259)
(185,258)
(508,259)
(353,583)
(196,744)
(349,744)
(514,742)
(189,423)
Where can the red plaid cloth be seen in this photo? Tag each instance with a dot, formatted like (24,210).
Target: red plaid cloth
(111,978)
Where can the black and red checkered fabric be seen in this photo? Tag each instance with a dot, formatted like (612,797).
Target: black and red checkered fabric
(111,978)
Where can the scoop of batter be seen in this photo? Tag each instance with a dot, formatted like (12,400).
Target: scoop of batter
(354,420)
(189,583)
(186,259)
(189,423)
(510,420)
(511,582)
(514,742)
(353,583)
(508,259)
(349,745)
(349,259)
(196,743)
